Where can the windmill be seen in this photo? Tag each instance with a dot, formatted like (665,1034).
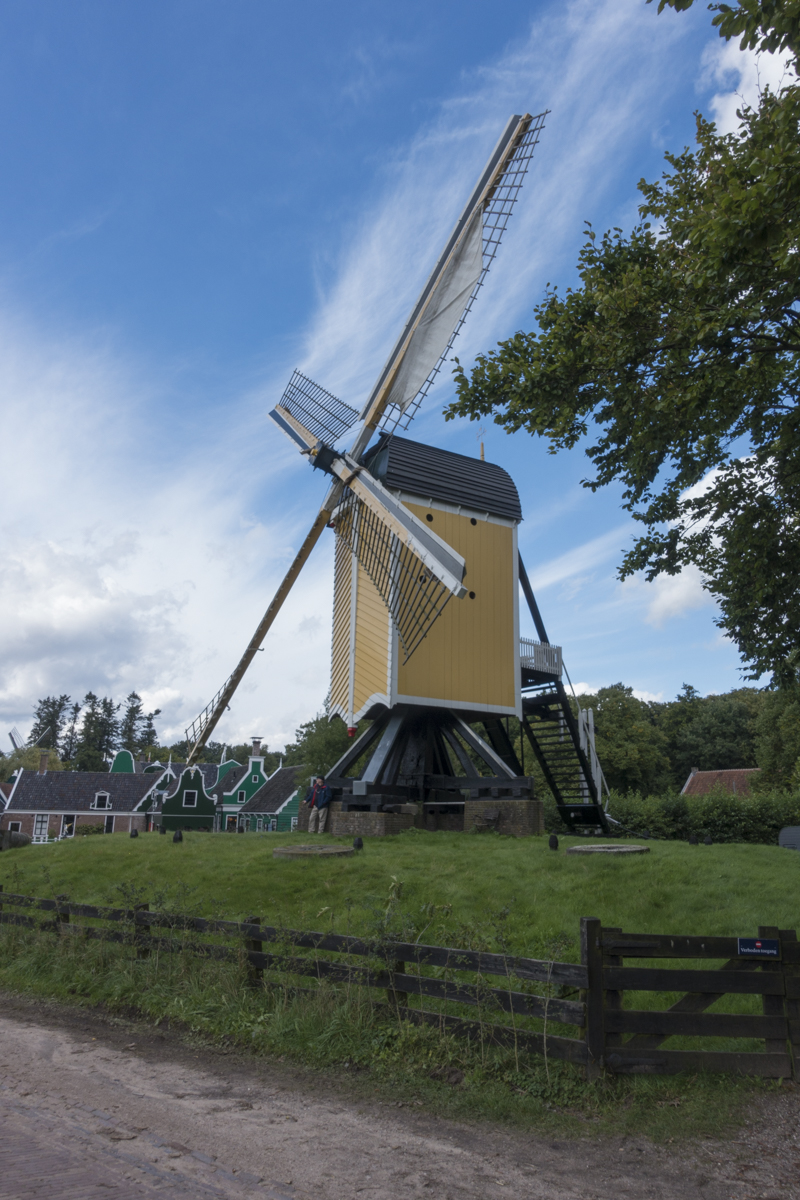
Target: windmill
(418,528)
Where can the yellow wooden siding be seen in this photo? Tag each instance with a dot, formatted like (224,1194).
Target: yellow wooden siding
(469,655)
(372,642)
(340,649)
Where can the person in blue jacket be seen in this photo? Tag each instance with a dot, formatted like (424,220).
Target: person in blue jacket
(318,797)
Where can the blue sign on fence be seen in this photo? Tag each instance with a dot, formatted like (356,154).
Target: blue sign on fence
(759,948)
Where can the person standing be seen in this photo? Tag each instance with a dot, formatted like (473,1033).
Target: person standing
(318,797)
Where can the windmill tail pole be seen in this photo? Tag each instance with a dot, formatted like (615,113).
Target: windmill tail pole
(202,728)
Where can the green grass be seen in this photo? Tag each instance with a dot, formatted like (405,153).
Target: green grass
(454,886)
(481,891)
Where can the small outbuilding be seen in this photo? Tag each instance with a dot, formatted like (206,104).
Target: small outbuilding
(736,781)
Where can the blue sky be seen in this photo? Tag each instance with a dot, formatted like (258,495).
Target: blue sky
(199,197)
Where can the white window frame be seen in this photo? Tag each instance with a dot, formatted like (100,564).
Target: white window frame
(193,794)
(255,779)
(273,825)
(15,826)
(242,796)
(64,833)
(104,796)
(294,823)
(259,825)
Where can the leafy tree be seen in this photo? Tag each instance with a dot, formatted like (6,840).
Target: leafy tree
(631,747)
(720,734)
(778,737)
(320,743)
(679,356)
(49,719)
(29,757)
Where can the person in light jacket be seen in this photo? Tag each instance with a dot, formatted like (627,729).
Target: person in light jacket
(318,797)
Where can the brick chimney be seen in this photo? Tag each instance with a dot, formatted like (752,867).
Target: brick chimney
(43,757)
(256,746)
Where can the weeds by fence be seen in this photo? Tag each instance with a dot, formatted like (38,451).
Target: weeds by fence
(497,998)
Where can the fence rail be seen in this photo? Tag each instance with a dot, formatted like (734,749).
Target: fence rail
(590,996)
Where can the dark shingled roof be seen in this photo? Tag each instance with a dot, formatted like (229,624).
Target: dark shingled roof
(278,788)
(427,471)
(736,781)
(228,782)
(74,791)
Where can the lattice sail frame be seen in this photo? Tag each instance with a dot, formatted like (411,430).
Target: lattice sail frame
(496,214)
(324,415)
(412,594)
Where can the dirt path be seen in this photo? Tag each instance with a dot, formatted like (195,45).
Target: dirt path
(91,1107)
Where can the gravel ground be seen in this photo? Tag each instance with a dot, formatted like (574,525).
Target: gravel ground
(92,1106)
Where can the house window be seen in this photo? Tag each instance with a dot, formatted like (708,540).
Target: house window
(102,800)
(15,826)
(273,825)
(242,796)
(255,779)
(40,823)
(109,825)
(190,799)
(294,824)
(259,824)
(68,826)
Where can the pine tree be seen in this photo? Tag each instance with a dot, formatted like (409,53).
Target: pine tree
(98,734)
(148,736)
(69,745)
(109,727)
(130,729)
(49,718)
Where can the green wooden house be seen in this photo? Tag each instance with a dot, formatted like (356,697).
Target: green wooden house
(274,807)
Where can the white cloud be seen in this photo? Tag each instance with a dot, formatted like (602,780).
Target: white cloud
(744,74)
(579,560)
(668,596)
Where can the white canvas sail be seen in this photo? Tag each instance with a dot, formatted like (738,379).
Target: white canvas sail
(440,317)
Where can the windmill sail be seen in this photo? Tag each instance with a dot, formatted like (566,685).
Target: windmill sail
(432,335)
(488,210)
(414,595)
(324,415)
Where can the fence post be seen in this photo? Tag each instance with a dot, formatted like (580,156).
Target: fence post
(791,976)
(141,936)
(613,999)
(255,974)
(592,959)
(61,918)
(772,1006)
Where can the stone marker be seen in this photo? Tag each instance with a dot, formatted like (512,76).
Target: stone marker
(313,852)
(608,850)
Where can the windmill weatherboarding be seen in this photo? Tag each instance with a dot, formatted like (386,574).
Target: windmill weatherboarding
(416,528)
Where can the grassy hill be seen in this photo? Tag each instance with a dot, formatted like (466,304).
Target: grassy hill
(461,889)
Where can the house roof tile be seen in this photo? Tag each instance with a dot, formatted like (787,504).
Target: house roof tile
(736,781)
(74,791)
(276,791)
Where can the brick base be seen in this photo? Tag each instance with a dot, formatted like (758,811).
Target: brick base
(522,818)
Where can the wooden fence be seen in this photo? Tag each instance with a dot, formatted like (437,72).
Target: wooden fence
(589,997)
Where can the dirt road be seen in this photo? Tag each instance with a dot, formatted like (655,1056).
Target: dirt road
(91,1107)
